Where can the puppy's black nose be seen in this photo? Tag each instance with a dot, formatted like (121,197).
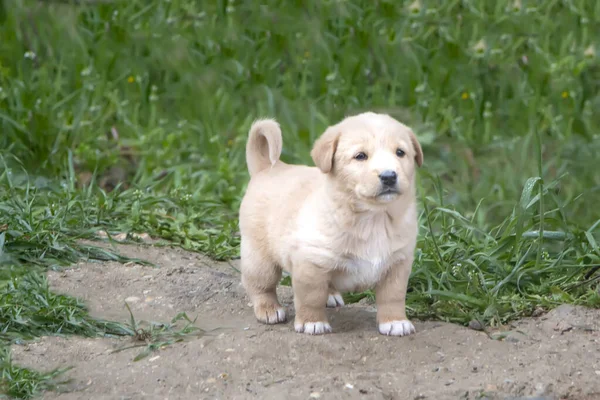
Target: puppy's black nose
(388,178)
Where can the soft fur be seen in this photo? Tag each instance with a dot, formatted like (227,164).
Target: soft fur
(335,228)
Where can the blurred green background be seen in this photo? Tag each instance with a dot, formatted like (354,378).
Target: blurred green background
(180,82)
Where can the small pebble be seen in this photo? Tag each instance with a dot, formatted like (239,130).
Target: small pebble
(563,327)
(537,312)
(142,236)
(132,299)
(475,325)
(315,395)
(120,237)
(349,386)
(154,358)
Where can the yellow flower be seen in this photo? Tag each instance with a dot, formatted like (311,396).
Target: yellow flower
(565,94)
(230,143)
(464,96)
(131,79)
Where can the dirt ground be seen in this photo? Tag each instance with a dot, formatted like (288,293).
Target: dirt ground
(554,356)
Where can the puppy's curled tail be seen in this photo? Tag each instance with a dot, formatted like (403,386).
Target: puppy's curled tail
(264,145)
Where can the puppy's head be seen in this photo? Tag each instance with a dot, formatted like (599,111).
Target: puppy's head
(371,156)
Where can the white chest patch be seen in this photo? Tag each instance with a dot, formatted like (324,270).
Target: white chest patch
(354,274)
(358,257)
(362,256)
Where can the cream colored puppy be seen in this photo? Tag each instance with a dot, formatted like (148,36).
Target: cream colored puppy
(348,225)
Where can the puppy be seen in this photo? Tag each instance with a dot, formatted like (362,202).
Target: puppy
(348,225)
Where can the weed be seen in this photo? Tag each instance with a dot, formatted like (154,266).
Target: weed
(157,335)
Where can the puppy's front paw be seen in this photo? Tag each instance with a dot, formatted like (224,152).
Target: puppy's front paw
(270,315)
(313,328)
(334,300)
(397,328)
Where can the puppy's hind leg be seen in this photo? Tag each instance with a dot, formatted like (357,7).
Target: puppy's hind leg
(335,298)
(260,276)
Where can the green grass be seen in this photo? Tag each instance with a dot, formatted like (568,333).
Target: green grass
(28,309)
(160,95)
(18,382)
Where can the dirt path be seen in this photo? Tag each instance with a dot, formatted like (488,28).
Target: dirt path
(556,355)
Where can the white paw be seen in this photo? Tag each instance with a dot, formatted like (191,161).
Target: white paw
(272,316)
(397,328)
(280,316)
(313,328)
(335,300)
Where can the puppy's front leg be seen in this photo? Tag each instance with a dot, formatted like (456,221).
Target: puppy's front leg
(311,290)
(390,295)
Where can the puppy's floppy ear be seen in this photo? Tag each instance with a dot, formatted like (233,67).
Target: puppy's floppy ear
(417,146)
(324,149)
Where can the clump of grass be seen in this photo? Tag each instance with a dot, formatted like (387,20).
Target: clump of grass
(532,259)
(29,309)
(44,225)
(23,383)
(41,228)
(155,336)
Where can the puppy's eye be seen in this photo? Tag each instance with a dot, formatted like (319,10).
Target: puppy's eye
(360,156)
(400,153)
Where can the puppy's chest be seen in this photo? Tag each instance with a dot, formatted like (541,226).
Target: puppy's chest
(363,260)
(359,255)
(353,273)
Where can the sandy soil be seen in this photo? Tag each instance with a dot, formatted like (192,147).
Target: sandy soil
(554,356)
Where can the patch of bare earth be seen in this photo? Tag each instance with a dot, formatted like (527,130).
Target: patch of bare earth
(555,356)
